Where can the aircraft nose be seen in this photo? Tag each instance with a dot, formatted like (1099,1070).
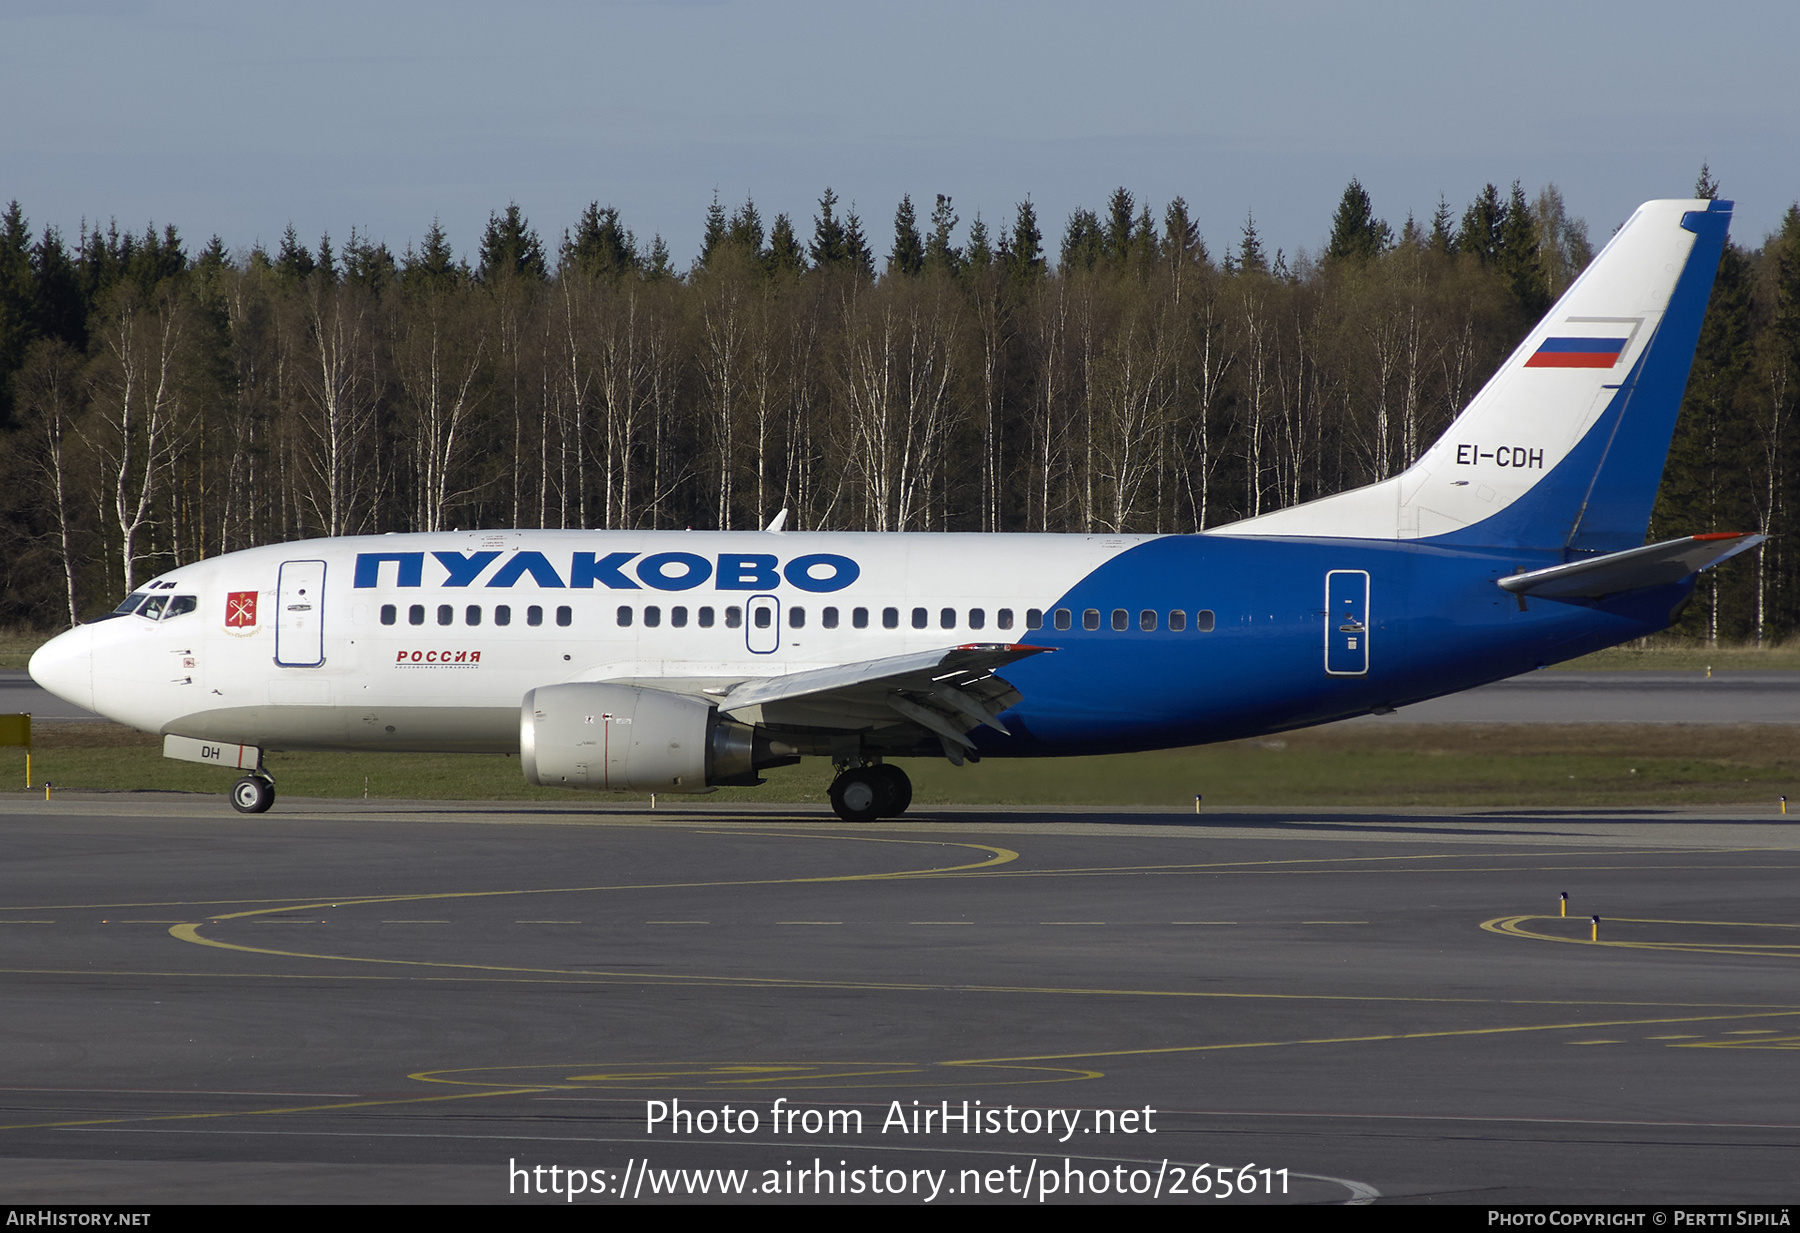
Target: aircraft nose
(65,666)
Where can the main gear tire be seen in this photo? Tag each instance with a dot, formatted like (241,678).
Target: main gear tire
(859,794)
(896,789)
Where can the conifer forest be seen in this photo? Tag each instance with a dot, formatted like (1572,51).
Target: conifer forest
(162,401)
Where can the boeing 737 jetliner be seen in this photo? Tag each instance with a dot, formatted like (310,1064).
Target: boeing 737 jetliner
(668,661)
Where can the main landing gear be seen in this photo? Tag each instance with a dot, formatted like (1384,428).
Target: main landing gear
(865,793)
(254,793)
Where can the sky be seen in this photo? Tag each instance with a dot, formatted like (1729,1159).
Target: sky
(240,118)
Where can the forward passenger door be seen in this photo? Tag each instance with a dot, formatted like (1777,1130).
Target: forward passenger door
(300,615)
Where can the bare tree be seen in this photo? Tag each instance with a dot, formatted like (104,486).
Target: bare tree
(1137,391)
(994,327)
(439,356)
(1777,411)
(48,389)
(724,293)
(1050,329)
(134,426)
(1212,365)
(899,349)
(335,366)
(1253,411)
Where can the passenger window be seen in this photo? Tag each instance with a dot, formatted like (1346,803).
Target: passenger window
(624,615)
(734,617)
(1147,619)
(1062,618)
(179,605)
(1005,618)
(389,614)
(1090,618)
(859,617)
(652,616)
(565,616)
(415,615)
(796,618)
(921,618)
(678,617)
(977,618)
(446,614)
(890,618)
(828,618)
(1034,619)
(472,615)
(947,618)
(534,615)
(1203,620)
(1177,620)
(1121,619)
(763,618)
(706,618)
(502,614)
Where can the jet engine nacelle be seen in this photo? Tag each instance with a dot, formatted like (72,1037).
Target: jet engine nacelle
(593,735)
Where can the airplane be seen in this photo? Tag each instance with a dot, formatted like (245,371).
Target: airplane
(681,661)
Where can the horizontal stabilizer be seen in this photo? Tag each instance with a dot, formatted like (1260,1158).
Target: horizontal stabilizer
(1650,566)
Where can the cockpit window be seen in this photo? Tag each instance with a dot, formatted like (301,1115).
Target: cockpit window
(160,607)
(129,604)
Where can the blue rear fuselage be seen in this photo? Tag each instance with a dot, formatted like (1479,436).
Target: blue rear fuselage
(1436,623)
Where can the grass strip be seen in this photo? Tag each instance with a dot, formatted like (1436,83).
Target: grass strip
(1543,765)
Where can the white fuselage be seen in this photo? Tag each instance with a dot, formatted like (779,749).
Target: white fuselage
(427,656)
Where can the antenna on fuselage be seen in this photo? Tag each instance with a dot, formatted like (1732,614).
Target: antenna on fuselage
(778,521)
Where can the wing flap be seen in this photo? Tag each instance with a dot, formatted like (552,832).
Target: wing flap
(967,669)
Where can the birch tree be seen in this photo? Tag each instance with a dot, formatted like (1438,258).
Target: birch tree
(48,390)
(134,425)
(439,354)
(334,354)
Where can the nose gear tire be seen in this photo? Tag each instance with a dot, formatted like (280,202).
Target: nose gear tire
(252,794)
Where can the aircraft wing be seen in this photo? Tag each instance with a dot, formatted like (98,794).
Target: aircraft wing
(947,692)
(1652,565)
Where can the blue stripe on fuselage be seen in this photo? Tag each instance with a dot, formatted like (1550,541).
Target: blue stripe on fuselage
(1437,624)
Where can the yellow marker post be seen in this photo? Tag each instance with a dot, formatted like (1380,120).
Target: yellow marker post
(1197,799)
(1564,897)
(1783,804)
(1596,921)
(16,730)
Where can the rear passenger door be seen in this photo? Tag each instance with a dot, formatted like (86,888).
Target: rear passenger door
(1347,622)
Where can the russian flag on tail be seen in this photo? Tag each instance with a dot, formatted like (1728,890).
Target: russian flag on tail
(1577,353)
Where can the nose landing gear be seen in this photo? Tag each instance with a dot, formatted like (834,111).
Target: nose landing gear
(865,793)
(254,793)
